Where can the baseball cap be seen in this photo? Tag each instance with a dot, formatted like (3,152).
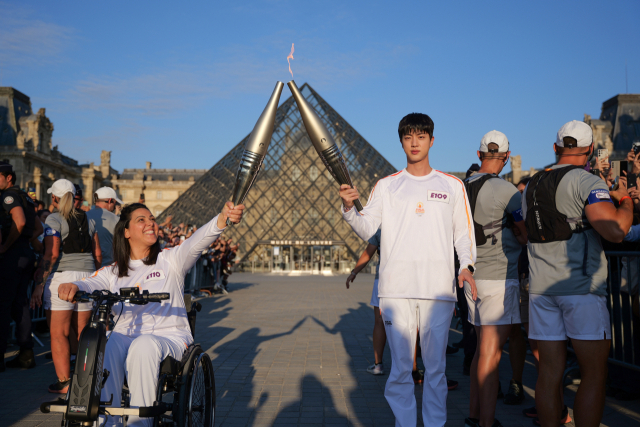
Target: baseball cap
(62,187)
(78,190)
(6,167)
(495,137)
(104,193)
(580,131)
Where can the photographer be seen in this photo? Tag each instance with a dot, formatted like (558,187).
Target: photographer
(145,335)
(566,211)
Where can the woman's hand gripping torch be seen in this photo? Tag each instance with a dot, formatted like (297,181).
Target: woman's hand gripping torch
(323,142)
(255,149)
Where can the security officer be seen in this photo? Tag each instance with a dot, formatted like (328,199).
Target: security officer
(18,224)
(567,210)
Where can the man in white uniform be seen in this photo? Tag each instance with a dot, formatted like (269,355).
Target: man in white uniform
(500,232)
(424,215)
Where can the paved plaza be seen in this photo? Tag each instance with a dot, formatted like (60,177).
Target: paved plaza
(293,350)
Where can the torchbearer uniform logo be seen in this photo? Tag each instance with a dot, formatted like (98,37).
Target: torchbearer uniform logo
(419,209)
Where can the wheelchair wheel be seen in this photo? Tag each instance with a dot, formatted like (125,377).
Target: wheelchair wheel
(197,396)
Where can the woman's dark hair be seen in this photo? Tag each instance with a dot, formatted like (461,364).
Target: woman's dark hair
(415,122)
(121,248)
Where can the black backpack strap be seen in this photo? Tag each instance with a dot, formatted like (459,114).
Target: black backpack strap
(473,189)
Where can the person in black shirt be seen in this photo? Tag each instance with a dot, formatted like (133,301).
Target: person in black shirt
(18,225)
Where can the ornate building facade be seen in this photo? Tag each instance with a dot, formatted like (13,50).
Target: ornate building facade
(26,143)
(159,187)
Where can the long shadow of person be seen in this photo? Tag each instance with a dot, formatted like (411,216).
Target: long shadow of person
(366,399)
(315,407)
(240,393)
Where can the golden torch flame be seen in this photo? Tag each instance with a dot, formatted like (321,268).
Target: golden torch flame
(290,57)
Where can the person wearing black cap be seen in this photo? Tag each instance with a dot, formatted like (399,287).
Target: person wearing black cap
(18,224)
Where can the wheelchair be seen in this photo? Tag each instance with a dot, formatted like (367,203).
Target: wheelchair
(185,396)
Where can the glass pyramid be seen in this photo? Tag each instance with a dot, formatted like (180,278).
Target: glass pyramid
(294,203)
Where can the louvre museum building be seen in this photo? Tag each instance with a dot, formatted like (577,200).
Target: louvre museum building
(292,222)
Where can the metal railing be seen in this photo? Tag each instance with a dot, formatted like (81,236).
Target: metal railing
(623,281)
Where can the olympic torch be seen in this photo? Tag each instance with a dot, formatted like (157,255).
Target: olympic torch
(255,149)
(323,141)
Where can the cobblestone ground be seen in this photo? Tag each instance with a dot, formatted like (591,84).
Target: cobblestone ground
(294,351)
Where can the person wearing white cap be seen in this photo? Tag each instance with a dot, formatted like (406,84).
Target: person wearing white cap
(72,252)
(566,211)
(500,233)
(105,200)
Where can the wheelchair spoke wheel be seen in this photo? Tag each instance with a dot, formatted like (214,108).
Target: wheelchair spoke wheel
(200,409)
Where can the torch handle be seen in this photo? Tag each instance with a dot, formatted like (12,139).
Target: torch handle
(358,205)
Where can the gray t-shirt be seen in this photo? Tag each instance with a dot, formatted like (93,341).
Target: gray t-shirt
(105,222)
(69,262)
(558,268)
(375,241)
(497,199)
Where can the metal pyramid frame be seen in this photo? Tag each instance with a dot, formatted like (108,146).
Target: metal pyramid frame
(294,196)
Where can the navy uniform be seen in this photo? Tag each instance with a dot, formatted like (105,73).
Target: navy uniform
(16,271)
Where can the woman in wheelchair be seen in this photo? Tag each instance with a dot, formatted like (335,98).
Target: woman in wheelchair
(145,335)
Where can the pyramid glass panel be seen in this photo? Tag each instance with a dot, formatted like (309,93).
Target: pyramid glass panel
(293,207)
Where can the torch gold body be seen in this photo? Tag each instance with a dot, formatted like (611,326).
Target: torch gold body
(323,141)
(255,149)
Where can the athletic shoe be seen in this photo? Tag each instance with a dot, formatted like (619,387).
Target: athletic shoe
(418,377)
(224,291)
(452,385)
(60,387)
(24,360)
(530,412)
(515,395)
(500,393)
(564,419)
(496,423)
(376,369)
(452,350)
(471,422)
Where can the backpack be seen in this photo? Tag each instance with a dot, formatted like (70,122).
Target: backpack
(79,240)
(543,221)
(473,189)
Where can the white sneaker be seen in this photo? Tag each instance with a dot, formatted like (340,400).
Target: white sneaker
(376,369)
(224,291)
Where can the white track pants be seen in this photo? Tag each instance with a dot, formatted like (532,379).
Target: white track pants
(139,358)
(402,318)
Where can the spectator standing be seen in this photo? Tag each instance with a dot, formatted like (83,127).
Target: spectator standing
(19,225)
(72,253)
(379,334)
(500,232)
(566,211)
(105,200)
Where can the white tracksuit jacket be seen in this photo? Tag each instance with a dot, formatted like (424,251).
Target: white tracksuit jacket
(422,219)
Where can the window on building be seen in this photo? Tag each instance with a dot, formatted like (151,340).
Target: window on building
(295,216)
(312,216)
(159,195)
(273,215)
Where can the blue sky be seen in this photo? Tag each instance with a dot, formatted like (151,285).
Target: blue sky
(180,83)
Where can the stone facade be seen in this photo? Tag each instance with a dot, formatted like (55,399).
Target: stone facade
(618,126)
(26,143)
(160,187)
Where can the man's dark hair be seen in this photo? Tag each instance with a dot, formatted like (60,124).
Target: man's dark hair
(121,248)
(11,174)
(415,122)
(41,211)
(524,181)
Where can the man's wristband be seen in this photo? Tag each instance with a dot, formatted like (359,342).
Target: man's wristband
(625,197)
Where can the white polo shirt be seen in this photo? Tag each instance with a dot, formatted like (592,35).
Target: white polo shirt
(423,218)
